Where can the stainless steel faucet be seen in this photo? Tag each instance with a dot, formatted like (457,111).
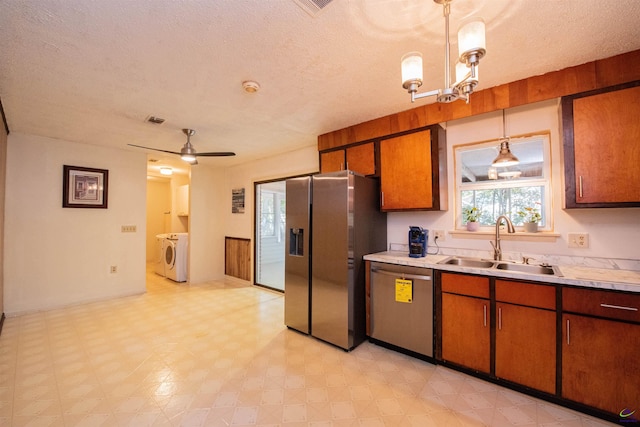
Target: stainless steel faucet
(497,251)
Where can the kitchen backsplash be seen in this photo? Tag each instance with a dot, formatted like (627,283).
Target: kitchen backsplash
(579,261)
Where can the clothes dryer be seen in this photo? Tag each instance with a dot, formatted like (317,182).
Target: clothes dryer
(175,256)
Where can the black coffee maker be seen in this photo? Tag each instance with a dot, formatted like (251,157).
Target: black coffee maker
(418,238)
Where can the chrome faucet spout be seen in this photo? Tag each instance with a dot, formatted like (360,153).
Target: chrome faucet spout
(497,250)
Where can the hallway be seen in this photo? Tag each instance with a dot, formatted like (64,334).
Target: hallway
(219,355)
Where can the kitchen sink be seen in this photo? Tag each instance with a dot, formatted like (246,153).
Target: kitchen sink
(501,265)
(526,268)
(468,262)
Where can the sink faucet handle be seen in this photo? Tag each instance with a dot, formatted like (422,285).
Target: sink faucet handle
(526,259)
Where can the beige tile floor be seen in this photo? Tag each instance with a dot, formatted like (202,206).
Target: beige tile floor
(219,355)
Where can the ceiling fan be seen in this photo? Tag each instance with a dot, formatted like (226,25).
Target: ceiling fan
(187,152)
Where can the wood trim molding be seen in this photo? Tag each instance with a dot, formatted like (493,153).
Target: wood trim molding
(4,117)
(580,78)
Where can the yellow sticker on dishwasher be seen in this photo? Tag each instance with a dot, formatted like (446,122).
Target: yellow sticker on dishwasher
(404,290)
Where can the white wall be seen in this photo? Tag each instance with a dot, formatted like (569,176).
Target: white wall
(206,222)
(158,220)
(58,256)
(613,233)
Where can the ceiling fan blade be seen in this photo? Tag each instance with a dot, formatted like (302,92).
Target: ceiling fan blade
(155,149)
(216,154)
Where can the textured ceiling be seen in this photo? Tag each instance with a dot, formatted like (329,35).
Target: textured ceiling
(92,71)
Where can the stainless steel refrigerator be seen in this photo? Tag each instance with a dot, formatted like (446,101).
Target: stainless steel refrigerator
(332,221)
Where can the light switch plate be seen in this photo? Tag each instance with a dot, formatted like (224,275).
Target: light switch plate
(128,228)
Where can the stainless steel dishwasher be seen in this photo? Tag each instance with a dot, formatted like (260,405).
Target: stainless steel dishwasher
(401,307)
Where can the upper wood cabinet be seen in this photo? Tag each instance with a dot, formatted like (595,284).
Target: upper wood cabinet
(358,158)
(601,150)
(413,171)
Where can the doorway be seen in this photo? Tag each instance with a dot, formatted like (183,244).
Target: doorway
(269,225)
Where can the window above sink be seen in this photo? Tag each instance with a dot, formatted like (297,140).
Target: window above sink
(499,191)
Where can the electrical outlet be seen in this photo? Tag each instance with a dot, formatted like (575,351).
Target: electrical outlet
(578,240)
(438,234)
(128,229)
(114,269)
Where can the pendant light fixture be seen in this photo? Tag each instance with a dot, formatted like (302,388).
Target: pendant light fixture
(471,47)
(505,157)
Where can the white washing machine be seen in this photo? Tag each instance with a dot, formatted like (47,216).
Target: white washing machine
(158,262)
(174,252)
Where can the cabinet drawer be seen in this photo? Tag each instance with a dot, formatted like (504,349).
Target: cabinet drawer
(529,294)
(475,286)
(612,305)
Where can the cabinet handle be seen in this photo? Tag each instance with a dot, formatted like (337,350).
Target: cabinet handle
(499,318)
(568,338)
(484,309)
(580,186)
(382,199)
(619,307)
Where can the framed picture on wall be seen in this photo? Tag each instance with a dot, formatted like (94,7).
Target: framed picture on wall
(237,200)
(84,187)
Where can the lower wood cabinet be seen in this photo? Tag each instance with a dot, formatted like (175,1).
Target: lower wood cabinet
(465,321)
(525,346)
(576,346)
(600,362)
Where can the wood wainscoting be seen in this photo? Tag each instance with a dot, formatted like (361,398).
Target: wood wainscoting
(237,257)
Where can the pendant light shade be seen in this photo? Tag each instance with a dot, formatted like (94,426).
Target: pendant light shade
(505,156)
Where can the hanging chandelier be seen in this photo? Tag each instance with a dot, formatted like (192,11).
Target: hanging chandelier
(471,47)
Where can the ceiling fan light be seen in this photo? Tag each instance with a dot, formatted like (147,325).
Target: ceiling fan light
(505,157)
(187,157)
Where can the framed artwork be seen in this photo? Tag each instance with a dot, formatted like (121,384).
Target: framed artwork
(237,200)
(84,187)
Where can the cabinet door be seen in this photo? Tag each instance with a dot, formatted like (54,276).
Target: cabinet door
(332,161)
(600,363)
(526,346)
(405,172)
(362,159)
(466,331)
(601,134)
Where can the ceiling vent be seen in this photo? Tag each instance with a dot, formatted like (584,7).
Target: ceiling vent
(155,120)
(313,7)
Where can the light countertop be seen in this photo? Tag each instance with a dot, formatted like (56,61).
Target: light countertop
(620,280)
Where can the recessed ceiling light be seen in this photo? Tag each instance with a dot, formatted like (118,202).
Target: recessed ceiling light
(166,170)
